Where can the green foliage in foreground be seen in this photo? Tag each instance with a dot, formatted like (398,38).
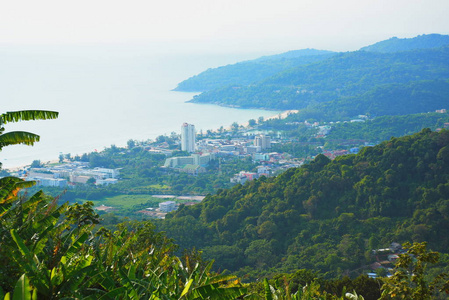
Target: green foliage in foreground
(51,252)
(22,137)
(409,281)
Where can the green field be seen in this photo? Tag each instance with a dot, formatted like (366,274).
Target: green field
(127,201)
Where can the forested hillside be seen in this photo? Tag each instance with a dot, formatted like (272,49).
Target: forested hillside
(327,215)
(425,41)
(247,72)
(382,100)
(383,128)
(342,76)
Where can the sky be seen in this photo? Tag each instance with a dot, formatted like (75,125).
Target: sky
(220,25)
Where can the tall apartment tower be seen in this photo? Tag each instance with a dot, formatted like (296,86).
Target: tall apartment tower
(188,137)
(263,141)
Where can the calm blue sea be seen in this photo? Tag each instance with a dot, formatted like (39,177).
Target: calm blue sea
(105,95)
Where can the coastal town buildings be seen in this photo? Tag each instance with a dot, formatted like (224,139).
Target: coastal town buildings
(71,173)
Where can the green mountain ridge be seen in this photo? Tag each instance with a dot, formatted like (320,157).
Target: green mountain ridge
(343,75)
(382,100)
(394,44)
(383,128)
(251,71)
(343,78)
(247,72)
(327,215)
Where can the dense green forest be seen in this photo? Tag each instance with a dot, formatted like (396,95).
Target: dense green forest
(374,129)
(395,44)
(248,72)
(327,215)
(383,128)
(52,251)
(343,77)
(383,100)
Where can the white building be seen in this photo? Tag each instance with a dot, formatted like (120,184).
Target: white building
(262,141)
(188,137)
(167,206)
(43,181)
(194,159)
(106,181)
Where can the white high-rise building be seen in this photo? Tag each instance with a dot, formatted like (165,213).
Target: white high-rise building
(188,137)
(263,141)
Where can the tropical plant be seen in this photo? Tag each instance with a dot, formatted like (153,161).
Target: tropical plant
(410,279)
(22,137)
(51,251)
(307,292)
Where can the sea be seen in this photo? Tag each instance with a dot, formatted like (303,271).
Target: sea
(105,95)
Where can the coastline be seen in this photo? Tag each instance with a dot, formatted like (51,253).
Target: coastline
(114,108)
(281,115)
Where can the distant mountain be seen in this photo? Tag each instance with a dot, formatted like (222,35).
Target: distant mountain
(395,44)
(294,54)
(342,77)
(392,77)
(327,215)
(247,72)
(382,100)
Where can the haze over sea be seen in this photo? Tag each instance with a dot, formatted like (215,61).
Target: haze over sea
(105,95)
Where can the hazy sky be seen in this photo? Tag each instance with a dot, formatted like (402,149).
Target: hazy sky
(221,25)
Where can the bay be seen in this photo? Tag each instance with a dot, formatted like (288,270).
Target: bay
(105,95)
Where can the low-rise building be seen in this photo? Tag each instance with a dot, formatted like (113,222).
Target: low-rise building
(167,206)
(107,181)
(244,176)
(194,159)
(45,181)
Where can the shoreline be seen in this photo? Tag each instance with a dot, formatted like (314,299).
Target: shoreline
(281,115)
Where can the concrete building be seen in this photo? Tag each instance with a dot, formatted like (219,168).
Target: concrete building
(167,206)
(194,159)
(253,149)
(106,181)
(262,141)
(188,139)
(55,182)
(244,176)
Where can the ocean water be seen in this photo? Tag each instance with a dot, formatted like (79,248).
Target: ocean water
(105,95)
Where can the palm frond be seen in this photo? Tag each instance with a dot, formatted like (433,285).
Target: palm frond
(18,137)
(27,115)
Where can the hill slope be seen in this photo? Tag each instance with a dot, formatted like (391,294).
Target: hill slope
(326,215)
(425,41)
(247,72)
(382,100)
(343,75)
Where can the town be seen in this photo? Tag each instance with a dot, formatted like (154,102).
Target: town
(207,156)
